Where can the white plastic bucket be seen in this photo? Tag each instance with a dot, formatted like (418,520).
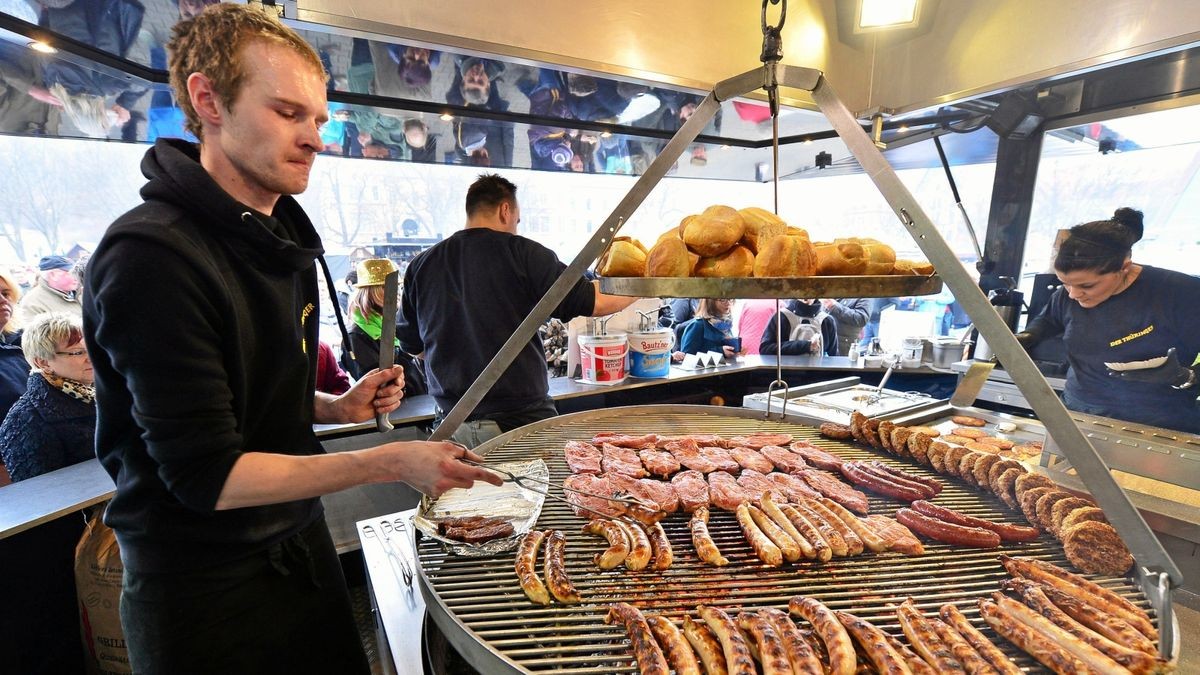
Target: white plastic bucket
(911,350)
(602,358)
(650,353)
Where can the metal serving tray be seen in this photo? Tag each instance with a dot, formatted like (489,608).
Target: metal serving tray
(833,401)
(877,286)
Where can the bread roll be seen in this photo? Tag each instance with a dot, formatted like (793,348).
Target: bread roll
(736,262)
(761,225)
(840,258)
(675,232)
(903,268)
(922,267)
(786,256)
(670,257)
(714,231)
(881,258)
(626,257)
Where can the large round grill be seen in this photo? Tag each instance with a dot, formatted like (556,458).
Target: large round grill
(479,605)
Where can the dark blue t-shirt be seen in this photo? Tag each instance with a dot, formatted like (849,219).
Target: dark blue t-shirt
(1158,311)
(464,297)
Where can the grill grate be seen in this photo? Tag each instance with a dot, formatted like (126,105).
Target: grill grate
(480,606)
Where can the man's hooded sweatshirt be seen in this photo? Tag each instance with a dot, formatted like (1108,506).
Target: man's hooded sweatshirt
(201,323)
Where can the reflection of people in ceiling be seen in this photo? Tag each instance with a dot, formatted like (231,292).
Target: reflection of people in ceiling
(110,25)
(23,109)
(396,71)
(476,83)
(549,147)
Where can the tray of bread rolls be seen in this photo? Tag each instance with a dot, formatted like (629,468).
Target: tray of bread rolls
(723,252)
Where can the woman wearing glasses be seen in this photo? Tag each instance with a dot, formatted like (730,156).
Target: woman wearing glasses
(53,424)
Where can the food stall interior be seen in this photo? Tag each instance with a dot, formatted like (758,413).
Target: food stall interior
(988,99)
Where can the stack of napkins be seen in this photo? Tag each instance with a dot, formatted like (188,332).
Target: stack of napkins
(703,360)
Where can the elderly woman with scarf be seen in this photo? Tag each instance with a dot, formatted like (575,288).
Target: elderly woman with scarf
(366,313)
(711,330)
(53,424)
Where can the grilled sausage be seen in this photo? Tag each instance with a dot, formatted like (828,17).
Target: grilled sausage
(838,646)
(733,645)
(771,653)
(983,646)
(854,545)
(663,556)
(1090,656)
(875,644)
(970,659)
(931,485)
(882,471)
(915,663)
(649,656)
(1030,641)
(706,548)
(706,646)
(1111,627)
(925,640)
(787,545)
(618,542)
(1032,595)
(861,477)
(802,657)
(766,551)
(639,546)
(556,570)
(837,545)
(1006,531)
(770,508)
(947,532)
(870,540)
(526,568)
(1081,589)
(679,652)
(810,532)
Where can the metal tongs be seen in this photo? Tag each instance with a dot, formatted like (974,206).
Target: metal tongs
(393,553)
(644,509)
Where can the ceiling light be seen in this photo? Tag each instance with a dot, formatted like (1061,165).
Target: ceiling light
(446,117)
(42,47)
(883,14)
(808,141)
(724,147)
(605,134)
(903,128)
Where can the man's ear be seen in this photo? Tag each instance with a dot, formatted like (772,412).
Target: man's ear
(207,104)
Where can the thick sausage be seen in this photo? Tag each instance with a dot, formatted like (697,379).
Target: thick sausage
(870,540)
(679,652)
(961,649)
(810,532)
(618,542)
(770,508)
(706,646)
(925,640)
(1032,595)
(733,645)
(1006,531)
(854,545)
(983,646)
(706,548)
(1089,655)
(647,652)
(663,556)
(771,653)
(766,551)
(1115,629)
(915,663)
(804,660)
(526,568)
(1031,642)
(556,570)
(874,643)
(838,646)
(787,545)
(879,485)
(639,547)
(930,485)
(1081,589)
(947,532)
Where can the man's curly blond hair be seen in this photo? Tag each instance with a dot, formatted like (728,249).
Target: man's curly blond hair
(212,43)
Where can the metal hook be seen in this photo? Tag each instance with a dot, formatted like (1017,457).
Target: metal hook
(772,50)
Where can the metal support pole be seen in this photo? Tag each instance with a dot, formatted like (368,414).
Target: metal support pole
(1045,403)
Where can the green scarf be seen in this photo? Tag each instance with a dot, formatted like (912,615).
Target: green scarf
(372,326)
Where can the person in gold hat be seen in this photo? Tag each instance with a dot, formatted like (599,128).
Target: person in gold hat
(366,313)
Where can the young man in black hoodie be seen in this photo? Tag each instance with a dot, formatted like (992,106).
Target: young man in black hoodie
(202,326)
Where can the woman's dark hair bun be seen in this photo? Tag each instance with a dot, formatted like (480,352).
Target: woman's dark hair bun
(1132,220)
